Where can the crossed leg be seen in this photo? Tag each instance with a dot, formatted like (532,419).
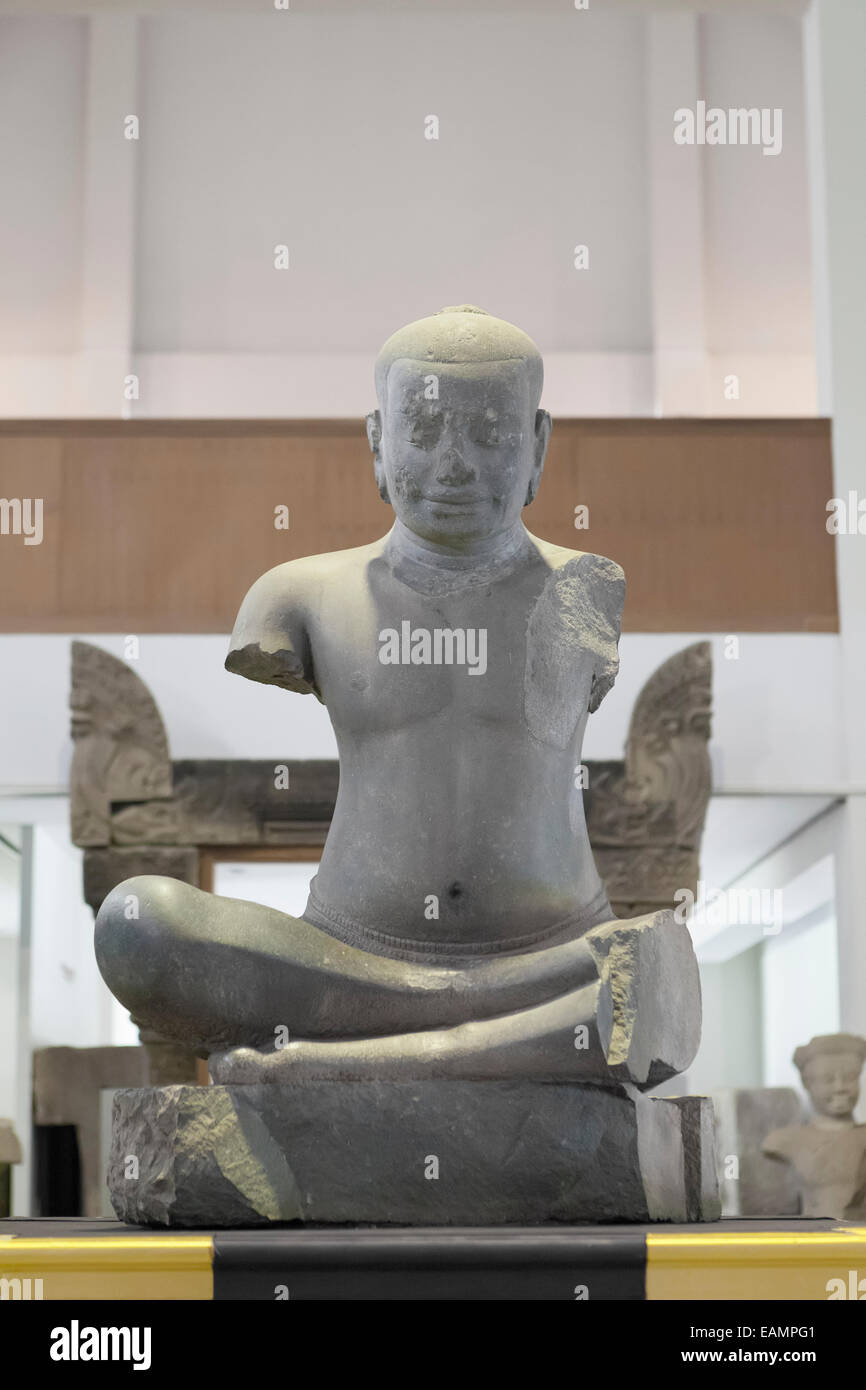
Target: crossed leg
(211,972)
(637,1022)
(222,976)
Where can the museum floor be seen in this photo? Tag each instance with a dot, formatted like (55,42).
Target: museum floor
(76,1258)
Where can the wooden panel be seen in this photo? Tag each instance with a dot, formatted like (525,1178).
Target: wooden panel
(162,526)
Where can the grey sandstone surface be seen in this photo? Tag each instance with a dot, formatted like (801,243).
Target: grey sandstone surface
(408,1153)
(457,931)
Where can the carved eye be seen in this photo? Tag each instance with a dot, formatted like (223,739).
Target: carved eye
(425,431)
(484,430)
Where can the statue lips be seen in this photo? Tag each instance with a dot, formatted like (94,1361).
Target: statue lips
(462,502)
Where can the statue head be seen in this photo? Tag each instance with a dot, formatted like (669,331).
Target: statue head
(458,440)
(830,1066)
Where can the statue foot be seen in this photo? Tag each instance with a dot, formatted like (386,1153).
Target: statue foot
(244,1066)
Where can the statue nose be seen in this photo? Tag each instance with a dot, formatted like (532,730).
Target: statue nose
(453,471)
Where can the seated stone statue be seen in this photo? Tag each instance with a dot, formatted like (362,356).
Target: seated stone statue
(828,1154)
(457,925)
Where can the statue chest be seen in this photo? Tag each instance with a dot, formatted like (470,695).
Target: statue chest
(393,658)
(826,1158)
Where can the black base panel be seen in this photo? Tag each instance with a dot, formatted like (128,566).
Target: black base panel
(357,1264)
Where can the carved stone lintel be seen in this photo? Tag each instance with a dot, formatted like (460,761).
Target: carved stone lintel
(232,802)
(121,750)
(642,879)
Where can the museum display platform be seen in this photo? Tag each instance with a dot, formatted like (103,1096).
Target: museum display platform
(78,1259)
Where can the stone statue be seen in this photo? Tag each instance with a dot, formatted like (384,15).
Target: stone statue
(457,927)
(828,1153)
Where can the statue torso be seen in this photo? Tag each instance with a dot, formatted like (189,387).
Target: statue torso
(459,821)
(828,1164)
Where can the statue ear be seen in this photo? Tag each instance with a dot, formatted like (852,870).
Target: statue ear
(543,426)
(374,439)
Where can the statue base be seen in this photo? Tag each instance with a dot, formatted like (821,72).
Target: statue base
(409,1153)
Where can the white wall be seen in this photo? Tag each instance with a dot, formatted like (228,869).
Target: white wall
(283,886)
(800,868)
(758,744)
(835,43)
(763,740)
(730,1053)
(762,1003)
(281,132)
(752,252)
(70,1005)
(768,991)
(42,75)
(267,127)
(800,989)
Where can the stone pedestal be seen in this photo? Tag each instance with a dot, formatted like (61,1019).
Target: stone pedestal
(409,1153)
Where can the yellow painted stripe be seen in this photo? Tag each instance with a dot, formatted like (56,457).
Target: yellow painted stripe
(112,1267)
(754,1265)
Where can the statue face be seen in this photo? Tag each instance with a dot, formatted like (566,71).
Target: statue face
(459,447)
(833,1083)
